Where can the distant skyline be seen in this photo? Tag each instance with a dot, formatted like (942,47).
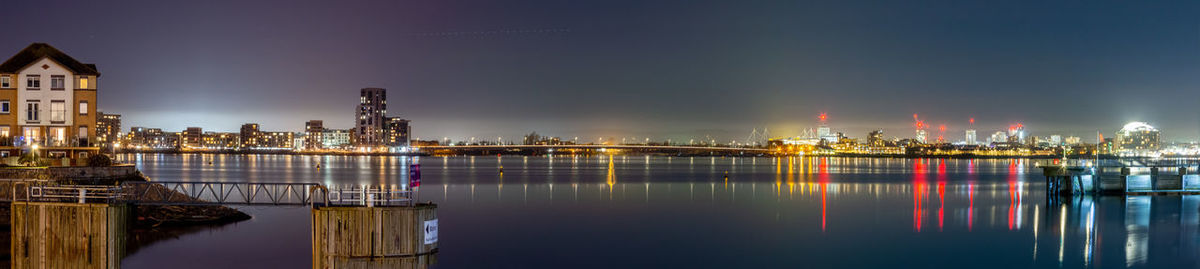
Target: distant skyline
(664,69)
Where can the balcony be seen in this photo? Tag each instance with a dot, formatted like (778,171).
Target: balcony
(47,142)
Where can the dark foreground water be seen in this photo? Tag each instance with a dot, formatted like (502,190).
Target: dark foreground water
(682,212)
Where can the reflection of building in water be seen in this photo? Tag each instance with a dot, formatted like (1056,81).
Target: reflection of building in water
(67,235)
(375,237)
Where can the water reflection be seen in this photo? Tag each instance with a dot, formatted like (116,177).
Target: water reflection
(796,211)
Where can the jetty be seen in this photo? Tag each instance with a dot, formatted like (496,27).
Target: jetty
(1161,176)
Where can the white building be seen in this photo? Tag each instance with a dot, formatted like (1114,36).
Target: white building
(970,137)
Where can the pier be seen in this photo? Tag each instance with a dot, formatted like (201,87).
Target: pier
(85,226)
(1123,177)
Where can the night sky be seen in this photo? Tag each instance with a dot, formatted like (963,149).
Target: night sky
(664,69)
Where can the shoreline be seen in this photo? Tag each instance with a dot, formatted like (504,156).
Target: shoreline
(526,154)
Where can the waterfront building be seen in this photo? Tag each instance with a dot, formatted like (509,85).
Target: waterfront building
(152,139)
(193,137)
(970,137)
(1056,140)
(335,138)
(998,137)
(275,140)
(1137,138)
(369,125)
(875,138)
(921,136)
(299,141)
(397,132)
(249,135)
(48,100)
(221,141)
(1017,134)
(108,130)
(312,134)
(1072,140)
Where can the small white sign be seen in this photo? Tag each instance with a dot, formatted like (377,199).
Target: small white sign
(431,231)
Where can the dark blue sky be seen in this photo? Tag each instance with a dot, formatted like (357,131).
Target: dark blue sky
(665,69)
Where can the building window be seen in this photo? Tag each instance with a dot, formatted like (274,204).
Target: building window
(3,106)
(58,111)
(83,82)
(33,82)
(57,83)
(31,110)
(83,108)
(5,82)
(83,132)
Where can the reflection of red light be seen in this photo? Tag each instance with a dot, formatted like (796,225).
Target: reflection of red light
(823,186)
(822,171)
(942,206)
(970,206)
(918,188)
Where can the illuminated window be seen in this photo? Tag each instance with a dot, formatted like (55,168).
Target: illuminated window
(58,111)
(83,107)
(5,82)
(83,82)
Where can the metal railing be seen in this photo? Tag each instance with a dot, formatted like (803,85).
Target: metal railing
(223,193)
(206,193)
(369,196)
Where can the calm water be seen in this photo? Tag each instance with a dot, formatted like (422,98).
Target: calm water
(636,211)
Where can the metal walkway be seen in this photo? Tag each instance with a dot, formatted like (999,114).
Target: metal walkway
(196,193)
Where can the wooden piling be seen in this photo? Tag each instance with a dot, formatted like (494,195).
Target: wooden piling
(373,237)
(68,235)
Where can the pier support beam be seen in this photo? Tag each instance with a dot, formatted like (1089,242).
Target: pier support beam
(374,237)
(68,235)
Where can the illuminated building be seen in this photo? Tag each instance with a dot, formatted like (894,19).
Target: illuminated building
(220,141)
(312,134)
(254,139)
(998,137)
(970,137)
(249,135)
(48,100)
(151,139)
(1072,140)
(397,132)
(369,124)
(108,130)
(1017,134)
(921,136)
(875,138)
(193,137)
(1056,140)
(335,138)
(1137,138)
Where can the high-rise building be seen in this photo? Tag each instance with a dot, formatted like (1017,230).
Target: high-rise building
(999,137)
(193,137)
(875,138)
(970,137)
(369,125)
(312,134)
(921,136)
(49,100)
(397,132)
(249,135)
(1056,140)
(108,130)
(1072,140)
(1137,138)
